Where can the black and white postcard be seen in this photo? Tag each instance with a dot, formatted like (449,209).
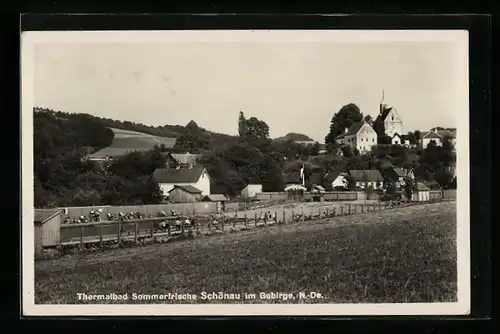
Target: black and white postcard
(245,172)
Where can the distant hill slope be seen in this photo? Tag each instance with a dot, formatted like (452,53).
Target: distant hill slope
(137,136)
(294,136)
(125,141)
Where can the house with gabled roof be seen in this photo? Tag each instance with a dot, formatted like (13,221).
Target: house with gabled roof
(359,135)
(367,178)
(393,123)
(196,176)
(184,194)
(437,136)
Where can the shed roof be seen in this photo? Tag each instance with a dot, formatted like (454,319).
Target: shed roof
(422,187)
(400,172)
(187,188)
(44,215)
(368,175)
(215,198)
(181,175)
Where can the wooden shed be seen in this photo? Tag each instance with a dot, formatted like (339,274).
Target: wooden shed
(47,228)
(217,198)
(184,194)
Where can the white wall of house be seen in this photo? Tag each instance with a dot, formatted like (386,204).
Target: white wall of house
(366,138)
(426,141)
(393,123)
(373,184)
(251,190)
(420,196)
(396,140)
(203,184)
(340,181)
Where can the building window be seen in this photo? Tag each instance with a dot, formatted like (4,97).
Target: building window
(361,139)
(373,140)
(392,118)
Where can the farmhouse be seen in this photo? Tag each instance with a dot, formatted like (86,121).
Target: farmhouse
(184,194)
(437,136)
(196,176)
(393,123)
(421,193)
(367,178)
(396,175)
(251,190)
(47,228)
(360,136)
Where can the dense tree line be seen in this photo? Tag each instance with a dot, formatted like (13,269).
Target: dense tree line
(64,178)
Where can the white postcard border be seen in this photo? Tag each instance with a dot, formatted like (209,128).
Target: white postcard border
(457,37)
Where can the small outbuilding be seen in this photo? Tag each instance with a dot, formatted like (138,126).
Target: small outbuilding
(184,194)
(421,193)
(47,228)
(217,198)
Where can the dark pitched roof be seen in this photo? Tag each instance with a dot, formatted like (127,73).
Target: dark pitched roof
(431,135)
(353,129)
(292,177)
(215,198)
(315,178)
(422,187)
(182,175)
(335,172)
(368,175)
(384,113)
(43,215)
(400,172)
(187,188)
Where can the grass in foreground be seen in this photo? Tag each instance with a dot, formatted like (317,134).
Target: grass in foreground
(406,255)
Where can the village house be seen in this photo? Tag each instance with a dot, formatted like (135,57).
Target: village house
(402,140)
(437,136)
(367,178)
(395,175)
(251,190)
(183,160)
(335,179)
(360,136)
(196,176)
(392,120)
(184,194)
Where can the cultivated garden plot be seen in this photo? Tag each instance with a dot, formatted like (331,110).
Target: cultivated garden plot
(401,255)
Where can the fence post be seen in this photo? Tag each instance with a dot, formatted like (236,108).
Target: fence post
(152,228)
(119,233)
(284,217)
(100,234)
(182,226)
(342,210)
(362,208)
(303,216)
(235,219)
(136,231)
(81,237)
(293,216)
(222,224)
(349,209)
(246,220)
(255,219)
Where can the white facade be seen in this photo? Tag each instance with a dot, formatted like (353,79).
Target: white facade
(251,190)
(373,184)
(203,184)
(363,139)
(340,181)
(393,123)
(420,196)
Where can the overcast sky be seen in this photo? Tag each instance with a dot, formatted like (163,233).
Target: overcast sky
(294,87)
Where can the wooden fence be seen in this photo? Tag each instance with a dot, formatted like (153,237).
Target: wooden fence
(153,209)
(98,233)
(328,196)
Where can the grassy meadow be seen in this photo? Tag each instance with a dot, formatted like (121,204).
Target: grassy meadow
(397,256)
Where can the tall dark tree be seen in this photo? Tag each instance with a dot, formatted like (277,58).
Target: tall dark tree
(344,118)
